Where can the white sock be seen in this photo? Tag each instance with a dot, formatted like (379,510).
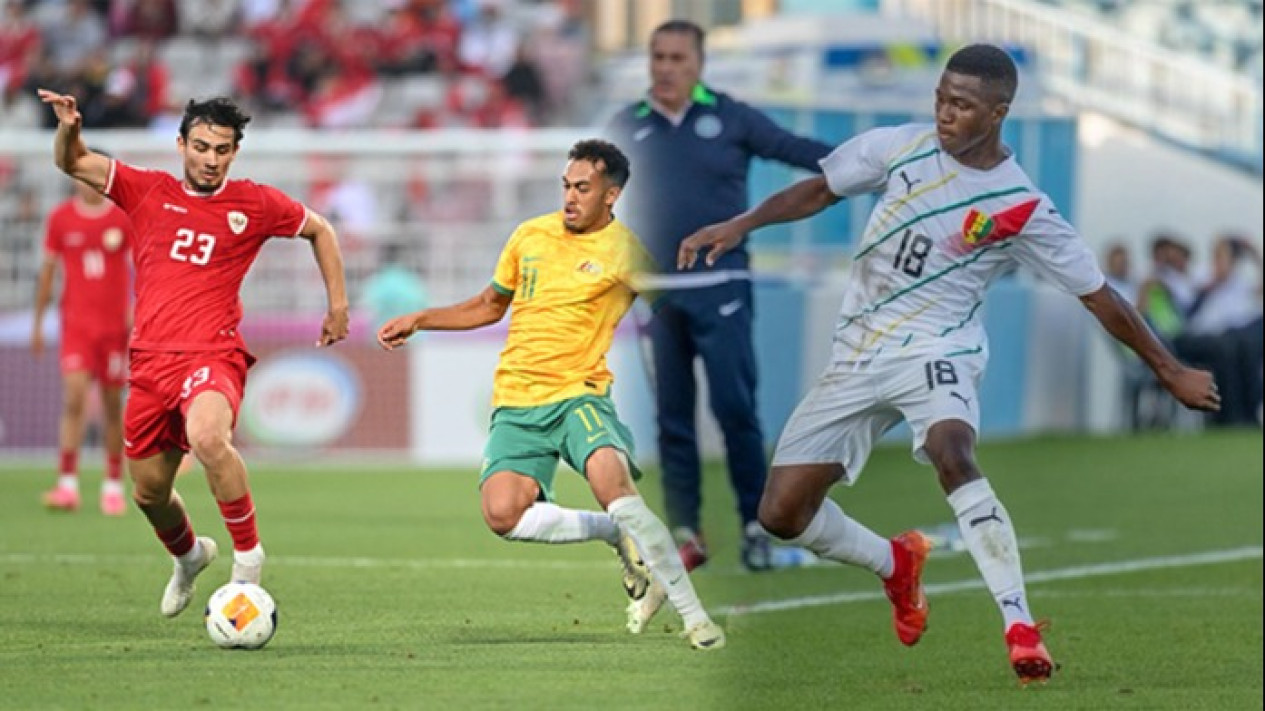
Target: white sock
(68,481)
(193,556)
(549,523)
(657,549)
(253,557)
(990,538)
(111,487)
(831,534)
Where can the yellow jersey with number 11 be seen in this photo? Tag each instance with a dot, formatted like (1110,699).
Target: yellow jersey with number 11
(570,292)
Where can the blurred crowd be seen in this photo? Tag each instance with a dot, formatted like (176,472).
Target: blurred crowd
(1210,316)
(321,63)
(1223,32)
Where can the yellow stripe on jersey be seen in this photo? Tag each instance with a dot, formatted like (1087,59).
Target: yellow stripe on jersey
(878,334)
(880,221)
(909,147)
(570,292)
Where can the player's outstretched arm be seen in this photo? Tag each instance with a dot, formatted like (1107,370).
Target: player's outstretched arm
(329,258)
(487,307)
(69,152)
(803,199)
(1193,388)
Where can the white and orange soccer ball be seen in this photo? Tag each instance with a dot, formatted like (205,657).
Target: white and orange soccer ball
(241,616)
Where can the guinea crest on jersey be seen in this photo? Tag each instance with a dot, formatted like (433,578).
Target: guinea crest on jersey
(192,253)
(939,233)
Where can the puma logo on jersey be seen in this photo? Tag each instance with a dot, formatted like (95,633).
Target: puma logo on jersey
(909,184)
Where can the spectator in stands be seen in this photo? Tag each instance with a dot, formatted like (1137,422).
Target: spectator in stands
(393,289)
(523,85)
(144,19)
(347,201)
(1118,272)
(420,36)
(560,47)
(209,19)
(490,42)
(73,38)
(136,91)
(1223,329)
(20,45)
(1167,295)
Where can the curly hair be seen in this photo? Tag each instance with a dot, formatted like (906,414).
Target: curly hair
(613,162)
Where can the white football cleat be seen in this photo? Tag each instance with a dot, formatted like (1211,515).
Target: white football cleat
(636,574)
(640,611)
(706,635)
(180,588)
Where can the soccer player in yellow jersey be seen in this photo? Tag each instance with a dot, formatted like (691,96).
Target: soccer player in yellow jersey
(569,276)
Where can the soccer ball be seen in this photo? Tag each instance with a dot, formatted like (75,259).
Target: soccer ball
(241,616)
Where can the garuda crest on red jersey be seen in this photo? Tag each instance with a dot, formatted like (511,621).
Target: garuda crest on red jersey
(236,222)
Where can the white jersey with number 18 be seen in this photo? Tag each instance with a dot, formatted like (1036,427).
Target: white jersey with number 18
(939,233)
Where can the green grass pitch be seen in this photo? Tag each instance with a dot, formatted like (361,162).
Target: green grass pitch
(1145,554)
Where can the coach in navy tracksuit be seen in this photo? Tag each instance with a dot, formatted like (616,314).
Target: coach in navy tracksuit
(690,150)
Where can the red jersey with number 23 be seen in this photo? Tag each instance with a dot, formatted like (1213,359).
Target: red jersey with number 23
(192,251)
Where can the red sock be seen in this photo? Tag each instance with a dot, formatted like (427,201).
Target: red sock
(69,463)
(178,540)
(114,467)
(239,519)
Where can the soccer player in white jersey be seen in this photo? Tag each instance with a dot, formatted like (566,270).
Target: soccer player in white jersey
(954,210)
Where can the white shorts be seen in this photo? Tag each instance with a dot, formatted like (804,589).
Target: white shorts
(853,404)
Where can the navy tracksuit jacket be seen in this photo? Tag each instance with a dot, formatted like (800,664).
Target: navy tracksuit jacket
(684,177)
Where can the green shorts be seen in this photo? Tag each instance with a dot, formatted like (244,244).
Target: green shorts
(530,440)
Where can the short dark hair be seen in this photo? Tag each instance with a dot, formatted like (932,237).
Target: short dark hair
(219,111)
(684,27)
(614,162)
(990,63)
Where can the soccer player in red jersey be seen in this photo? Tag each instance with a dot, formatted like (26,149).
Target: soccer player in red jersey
(195,238)
(91,238)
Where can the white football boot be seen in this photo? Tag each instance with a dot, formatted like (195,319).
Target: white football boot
(706,635)
(636,574)
(640,611)
(179,589)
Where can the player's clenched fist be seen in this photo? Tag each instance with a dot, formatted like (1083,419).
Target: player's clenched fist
(396,331)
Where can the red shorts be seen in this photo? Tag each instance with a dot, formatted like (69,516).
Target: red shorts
(162,387)
(102,355)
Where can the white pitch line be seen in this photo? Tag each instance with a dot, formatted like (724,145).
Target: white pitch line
(1076,572)
(310,562)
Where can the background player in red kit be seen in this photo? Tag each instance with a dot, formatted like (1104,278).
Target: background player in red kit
(91,238)
(196,237)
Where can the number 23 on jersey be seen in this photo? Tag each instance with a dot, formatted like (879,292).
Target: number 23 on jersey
(192,247)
